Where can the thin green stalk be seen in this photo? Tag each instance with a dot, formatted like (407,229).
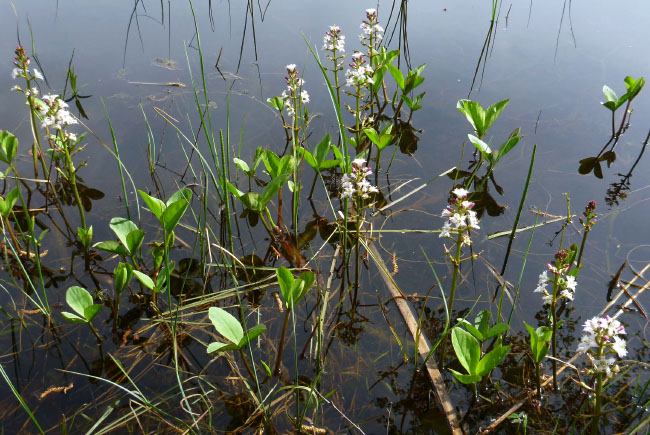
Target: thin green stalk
(119,162)
(454,283)
(595,421)
(20,399)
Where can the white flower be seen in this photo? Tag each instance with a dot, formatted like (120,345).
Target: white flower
(571,283)
(38,75)
(359,161)
(291,68)
(460,193)
(304,97)
(444,232)
(542,283)
(15,73)
(34,90)
(619,346)
(15,88)
(587,341)
(371,12)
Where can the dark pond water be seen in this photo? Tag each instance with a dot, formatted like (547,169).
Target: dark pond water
(551,59)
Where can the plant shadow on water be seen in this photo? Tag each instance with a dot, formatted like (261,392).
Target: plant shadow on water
(241,285)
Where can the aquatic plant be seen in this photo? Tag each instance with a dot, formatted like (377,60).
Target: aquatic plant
(82,304)
(467,346)
(601,339)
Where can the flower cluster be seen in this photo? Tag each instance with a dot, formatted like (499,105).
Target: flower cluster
(359,75)
(356,183)
(54,113)
(566,284)
(294,95)
(21,69)
(372,31)
(460,217)
(333,40)
(603,334)
(590,216)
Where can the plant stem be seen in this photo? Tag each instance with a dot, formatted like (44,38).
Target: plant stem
(454,283)
(278,359)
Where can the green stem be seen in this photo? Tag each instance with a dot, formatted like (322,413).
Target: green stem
(73,180)
(454,284)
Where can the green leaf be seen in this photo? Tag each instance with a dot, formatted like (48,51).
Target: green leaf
(226,324)
(78,299)
(122,275)
(397,75)
(271,189)
(311,160)
(466,379)
(122,227)
(493,112)
(307,279)
(467,349)
(220,347)
(491,360)
(134,240)
(497,329)
(484,148)
(276,102)
(610,94)
(112,246)
(474,114)
(73,318)
(508,145)
(482,322)
(241,164)
(173,213)
(91,311)
(285,280)
(253,333)
(372,135)
(8,146)
(232,189)
(267,369)
(7,204)
(155,205)
(472,330)
(144,279)
(181,194)
(322,149)
(253,201)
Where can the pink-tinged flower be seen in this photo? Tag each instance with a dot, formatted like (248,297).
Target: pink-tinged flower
(601,338)
(460,218)
(356,184)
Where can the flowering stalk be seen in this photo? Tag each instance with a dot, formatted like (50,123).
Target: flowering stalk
(294,98)
(55,115)
(21,63)
(461,219)
(334,42)
(356,187)
(371,37)
(564,287)
(358,77)
(603,335)
(587,223)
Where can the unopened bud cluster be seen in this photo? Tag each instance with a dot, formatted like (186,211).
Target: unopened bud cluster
(590,216)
